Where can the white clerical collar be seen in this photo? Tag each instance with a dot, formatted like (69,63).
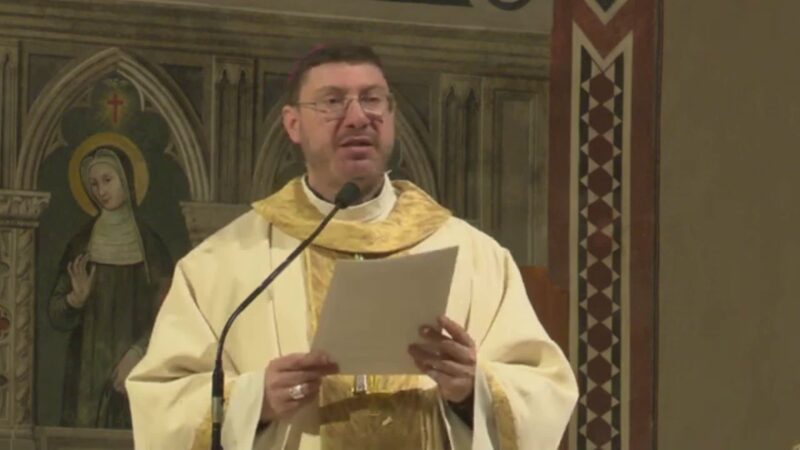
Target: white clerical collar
(370,211)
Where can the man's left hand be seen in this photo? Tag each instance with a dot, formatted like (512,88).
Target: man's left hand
(450,361)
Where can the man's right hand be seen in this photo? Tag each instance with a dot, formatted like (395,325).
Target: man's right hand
(293,380)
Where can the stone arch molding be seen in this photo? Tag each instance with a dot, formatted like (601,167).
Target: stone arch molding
(159,90)
(275,145)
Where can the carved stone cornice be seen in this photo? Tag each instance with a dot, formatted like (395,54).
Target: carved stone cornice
(21,209)
(233,70)
(275,35)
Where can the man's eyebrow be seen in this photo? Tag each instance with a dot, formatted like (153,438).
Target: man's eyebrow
(329,89)
(375,87)
(338,90)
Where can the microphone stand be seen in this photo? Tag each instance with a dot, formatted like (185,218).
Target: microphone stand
(344,198)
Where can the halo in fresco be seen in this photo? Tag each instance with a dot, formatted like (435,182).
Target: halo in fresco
(107,139)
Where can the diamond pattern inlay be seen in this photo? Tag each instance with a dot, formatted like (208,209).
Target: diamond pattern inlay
(601,150)
(600,337)
(600,307)
(598,400)
(599,275)
(600,214)
(601,119)
(599,431)
(599,369)
(601,89)
(601,244)
(600,181)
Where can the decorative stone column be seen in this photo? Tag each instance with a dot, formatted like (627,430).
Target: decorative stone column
(603,222)
(460,160)
(19,218)
(232,128)
(9,92)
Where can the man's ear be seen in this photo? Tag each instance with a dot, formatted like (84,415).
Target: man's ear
(291,123)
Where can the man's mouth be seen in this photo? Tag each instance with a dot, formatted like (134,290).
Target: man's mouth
(356,142)
(357,148)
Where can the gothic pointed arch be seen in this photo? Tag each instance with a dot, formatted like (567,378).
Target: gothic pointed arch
(157,88)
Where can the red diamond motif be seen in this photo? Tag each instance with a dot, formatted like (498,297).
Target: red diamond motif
(600,214)
(601,88)
(599,370)
(600,150)
(600,182)
(601,119)
(599,401)
(599,275)
(598,431)
(599,306)
(600,337)
(599,244)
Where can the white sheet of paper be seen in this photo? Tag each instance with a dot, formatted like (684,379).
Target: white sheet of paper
(374,309)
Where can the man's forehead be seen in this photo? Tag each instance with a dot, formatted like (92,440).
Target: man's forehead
(344,76)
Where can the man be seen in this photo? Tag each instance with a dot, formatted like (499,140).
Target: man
(494,380)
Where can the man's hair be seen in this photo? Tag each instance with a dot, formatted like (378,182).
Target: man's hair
(324,54)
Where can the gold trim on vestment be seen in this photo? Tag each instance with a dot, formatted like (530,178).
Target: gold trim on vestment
(414,217)
(503,414)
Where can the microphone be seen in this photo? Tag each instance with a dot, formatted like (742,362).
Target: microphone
(346,196)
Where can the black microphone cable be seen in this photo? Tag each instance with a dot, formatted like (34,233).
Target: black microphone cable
(346,196)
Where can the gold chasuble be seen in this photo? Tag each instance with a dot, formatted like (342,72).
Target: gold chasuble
(393,412)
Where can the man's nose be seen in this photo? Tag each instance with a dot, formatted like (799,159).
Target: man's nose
(354,115)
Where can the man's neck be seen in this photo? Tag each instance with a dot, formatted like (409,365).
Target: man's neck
(328,192)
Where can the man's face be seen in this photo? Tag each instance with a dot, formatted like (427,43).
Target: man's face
(353,147)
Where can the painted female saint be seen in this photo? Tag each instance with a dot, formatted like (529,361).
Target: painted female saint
(112,277)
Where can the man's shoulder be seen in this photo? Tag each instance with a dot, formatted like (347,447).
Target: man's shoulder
(468,233)
(239,234)
(477,249)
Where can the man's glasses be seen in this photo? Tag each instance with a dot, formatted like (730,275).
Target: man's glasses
(335,107)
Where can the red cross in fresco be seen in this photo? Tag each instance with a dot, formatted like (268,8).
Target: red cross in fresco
(115,103)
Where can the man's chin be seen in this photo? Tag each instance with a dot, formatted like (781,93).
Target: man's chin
(362,172)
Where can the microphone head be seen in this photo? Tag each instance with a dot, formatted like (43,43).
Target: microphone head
(347,195)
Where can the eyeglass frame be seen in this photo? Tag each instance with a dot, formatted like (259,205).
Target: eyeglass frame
(390,103)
